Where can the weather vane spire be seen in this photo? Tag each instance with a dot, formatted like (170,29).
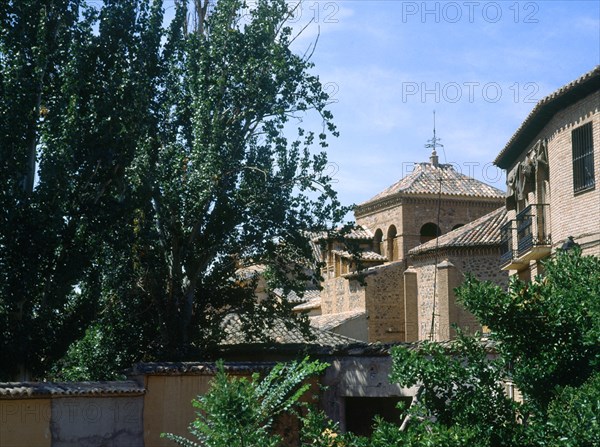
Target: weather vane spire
(433,144)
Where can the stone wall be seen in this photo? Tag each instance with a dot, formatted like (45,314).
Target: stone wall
(383,218)
(452,212)
(342,294)
(385,303)
(448,273)
(366,377)
(381,296)
(25,422)
(573,214)
(409,214)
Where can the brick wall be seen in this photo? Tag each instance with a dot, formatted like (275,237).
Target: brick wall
(409,214)
(570,213)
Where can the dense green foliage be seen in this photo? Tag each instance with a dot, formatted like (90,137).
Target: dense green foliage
(71,102)
(461,400)
(549,329)
(145,168)
(459,388)
(238,412)
(547,334)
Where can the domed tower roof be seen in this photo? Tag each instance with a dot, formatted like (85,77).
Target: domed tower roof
(434,178)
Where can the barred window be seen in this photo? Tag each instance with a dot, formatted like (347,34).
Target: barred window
(583,158)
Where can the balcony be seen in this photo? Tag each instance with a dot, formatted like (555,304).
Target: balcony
(526,238)
(506,242)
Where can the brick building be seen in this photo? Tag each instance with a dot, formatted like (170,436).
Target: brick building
(553,165)
(438,267)
(370,305)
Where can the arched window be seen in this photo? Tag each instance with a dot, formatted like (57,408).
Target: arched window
(429,231)
(391,252)
(458,226)
(377,241)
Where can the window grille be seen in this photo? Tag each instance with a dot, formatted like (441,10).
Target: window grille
(583,158)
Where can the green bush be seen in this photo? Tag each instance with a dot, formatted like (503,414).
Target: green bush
(238,412)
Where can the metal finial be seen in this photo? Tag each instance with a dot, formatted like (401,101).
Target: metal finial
(435,141)
(433,144)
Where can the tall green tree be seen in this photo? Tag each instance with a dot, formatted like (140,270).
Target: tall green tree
(224,185)
(149,169)
(73,82)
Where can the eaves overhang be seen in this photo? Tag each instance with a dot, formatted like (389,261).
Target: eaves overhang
(543,112)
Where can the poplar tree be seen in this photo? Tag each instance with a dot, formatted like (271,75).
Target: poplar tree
(150,170)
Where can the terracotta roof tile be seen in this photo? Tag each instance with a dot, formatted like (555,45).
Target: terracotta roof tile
(281,335)
(357,233)
(293,297)
(425,179)
(365,255)
(200,368)
(484,231)
(314,303)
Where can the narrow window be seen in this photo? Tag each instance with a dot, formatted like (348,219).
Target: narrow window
(377,241)
(392,254)
(583,158)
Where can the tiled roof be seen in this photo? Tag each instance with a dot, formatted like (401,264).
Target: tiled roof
(357,233)
(543,111)
(293,297)
(484,231)
(13,390)
(331,321)
(426,179)
(209,368)
(280,335)
(364,255)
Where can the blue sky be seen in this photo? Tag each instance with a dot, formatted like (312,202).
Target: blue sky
(480,65)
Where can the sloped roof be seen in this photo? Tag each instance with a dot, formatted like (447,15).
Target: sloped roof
(293,297)
(357,233)
(364,255)
(281,335)
(331,321)
(200,368)
(543,112)
(426,178)
(484,231)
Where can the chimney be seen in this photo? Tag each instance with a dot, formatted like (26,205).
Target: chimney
(434,158)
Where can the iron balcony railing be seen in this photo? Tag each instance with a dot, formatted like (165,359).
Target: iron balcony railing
(532,228)
(506,242)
